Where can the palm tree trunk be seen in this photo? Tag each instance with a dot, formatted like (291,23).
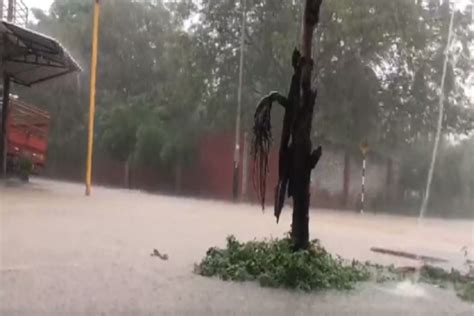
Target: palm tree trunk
(303,159)
(296,159)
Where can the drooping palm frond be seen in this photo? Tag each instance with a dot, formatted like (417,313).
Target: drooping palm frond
(261,144)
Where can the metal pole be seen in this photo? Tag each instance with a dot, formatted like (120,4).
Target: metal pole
(90,140)
(362,195)
(235,173)
(245,162)
(5,109)
(424,204)
(10,11)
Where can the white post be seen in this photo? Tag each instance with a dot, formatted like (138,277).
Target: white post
(362,195)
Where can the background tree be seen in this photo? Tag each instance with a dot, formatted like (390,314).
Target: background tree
(379,61)
(147,75)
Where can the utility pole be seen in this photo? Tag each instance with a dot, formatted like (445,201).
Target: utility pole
(90,139)
(236,166)
(245,167)
(426,197)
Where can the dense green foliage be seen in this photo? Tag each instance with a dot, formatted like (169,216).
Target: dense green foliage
(273,263)
(168,73)
(149,87)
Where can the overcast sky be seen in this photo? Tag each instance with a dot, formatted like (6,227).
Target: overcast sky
(45,4)
(41,4)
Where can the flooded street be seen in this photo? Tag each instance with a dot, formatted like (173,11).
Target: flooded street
(66,254)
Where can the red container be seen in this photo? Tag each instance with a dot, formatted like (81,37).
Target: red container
(27,133)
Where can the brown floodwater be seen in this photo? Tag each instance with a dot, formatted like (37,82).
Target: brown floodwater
(63,253)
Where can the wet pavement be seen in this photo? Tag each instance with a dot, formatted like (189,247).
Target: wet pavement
(62,253)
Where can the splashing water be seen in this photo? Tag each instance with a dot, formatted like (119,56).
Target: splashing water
(409,288)
(440,121)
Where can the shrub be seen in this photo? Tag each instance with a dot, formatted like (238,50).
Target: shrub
(273,263)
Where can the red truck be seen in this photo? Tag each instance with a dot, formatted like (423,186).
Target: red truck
(27,135)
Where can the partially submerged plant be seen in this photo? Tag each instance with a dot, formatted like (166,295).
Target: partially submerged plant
(22,166)
(463,283)
(466,292)
(273,263)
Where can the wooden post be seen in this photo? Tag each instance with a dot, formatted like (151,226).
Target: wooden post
(90,139)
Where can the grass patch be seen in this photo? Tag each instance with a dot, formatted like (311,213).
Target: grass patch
(273,264)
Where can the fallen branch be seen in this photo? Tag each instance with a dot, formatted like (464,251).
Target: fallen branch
(156,253)
(407,255)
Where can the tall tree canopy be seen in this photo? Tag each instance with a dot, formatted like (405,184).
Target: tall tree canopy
(168,71)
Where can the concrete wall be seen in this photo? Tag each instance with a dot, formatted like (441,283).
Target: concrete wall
(328,179)
(210,175)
